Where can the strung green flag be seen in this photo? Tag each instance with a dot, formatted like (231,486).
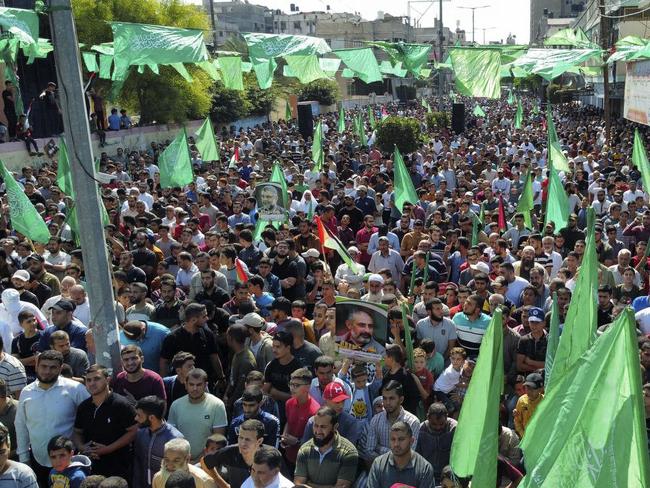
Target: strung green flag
(305,67)
(21,23)
(475,447)
(552,339)
(24,216)
(175,163)
(206,142)
(317,155)
(478,111)
(519,114)
(63,173)
(640,160)
(408,341)
(403,184)
(590,431)
(288,115)
(555,155)
(362,63)
(526,204)
(340,126)
(477,71)
(581,320)
(371,118)
(557,201)
(277,176)
(511,97)
(231,72)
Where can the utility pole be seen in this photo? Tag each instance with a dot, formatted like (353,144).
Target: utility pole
(441,79)
(213,21)
(473,9)
(77,134)
(604,44)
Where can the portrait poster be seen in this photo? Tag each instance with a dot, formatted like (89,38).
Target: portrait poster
(269,202)
(361,329)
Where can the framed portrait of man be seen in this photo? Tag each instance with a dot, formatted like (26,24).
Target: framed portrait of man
(269,202)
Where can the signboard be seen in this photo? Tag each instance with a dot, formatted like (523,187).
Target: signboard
(637,92)
(361,329)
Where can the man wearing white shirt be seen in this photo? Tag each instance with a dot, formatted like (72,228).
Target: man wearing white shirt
(47,408)
(265,471)
(80,299)
(633,193)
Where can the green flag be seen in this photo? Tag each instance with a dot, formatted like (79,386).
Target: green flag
(306,67)
(477,223)
(360,129)
(138,44)
(640,160)
(412,56)
(511,97)
(478,111)
(288,115)
(408,341)
(277,176)
(206,142)
(340,126)
(519,115)
(21,23)
(475,447)
(362,63)
(557,201)
(371,118)
(582,316)
(426,105)
(477,71)
(590,431)
(24,217)
(231,72)
(175,164)
(63,174)
(317,154)
(404,189)
(552,340)
(526,204)
(555,155)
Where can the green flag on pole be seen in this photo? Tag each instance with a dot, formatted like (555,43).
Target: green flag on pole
(555,155)
(24,216)
(475,447)
(317,154)
(206,142)
(408,341)
(519,114)
(340,126)
(426,105)
(288,115)
(277,176)
(590,431)
(175,163)
(403,184)
(640,160)
(582,316)
(557,201)
(526,204)
(511,97)
(478,111)
(552,339)
(371,118)
(63,174)
(360,128)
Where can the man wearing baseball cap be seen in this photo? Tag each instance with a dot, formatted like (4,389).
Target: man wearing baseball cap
(62,319)
(528,403)
(531,352)
(349,427)
(19,280)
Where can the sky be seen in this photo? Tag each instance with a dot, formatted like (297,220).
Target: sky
(500,18)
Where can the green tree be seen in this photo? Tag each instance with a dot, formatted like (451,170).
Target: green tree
(260,101)
(162,98)
(401,131)
(324,91)
(228,105)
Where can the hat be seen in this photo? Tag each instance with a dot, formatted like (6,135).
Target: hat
(353,249)
(334,392)
(253,320)
(535,314)
(35,257)
(64,305)
(534,380)
(376,278)
(481,266)
(21,274)
(362,188)
(11,301)
(310,253)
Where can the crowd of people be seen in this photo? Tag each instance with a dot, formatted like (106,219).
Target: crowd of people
(232,375)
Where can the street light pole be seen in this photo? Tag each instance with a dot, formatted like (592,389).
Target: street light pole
(441,79)
(473,9)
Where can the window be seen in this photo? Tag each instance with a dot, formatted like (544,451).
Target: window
(297,25)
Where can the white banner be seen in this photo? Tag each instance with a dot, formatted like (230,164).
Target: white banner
(637,92)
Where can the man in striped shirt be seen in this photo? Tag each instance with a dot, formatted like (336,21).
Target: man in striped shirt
(471,324)
(12,371)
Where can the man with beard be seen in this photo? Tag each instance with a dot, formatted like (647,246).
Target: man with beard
(143,258)
(167,311)
(437,327)
(36,264)
(177,458)
(327,459)
(375,292)
(251,401)
(210,291)
(150,440)
(401,464)
(135,382)
(435,438)
(19,280)
(62,320)
(286,270)
(133,273)
(237,458)
(47,408)
(527,263)
(105,426)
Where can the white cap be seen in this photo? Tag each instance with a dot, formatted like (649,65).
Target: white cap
(481,266)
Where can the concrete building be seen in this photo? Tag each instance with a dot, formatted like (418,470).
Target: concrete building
(239,16)
(543,10)
(352,31)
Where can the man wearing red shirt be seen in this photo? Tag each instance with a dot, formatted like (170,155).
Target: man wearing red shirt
(363,238)
(299,408)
